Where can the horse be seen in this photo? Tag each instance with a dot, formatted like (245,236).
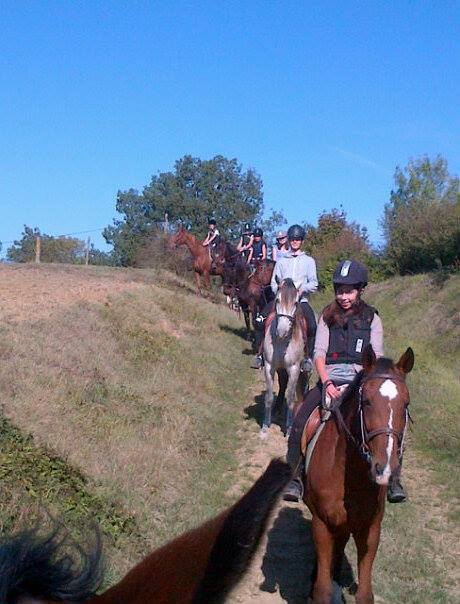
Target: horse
(283,353)
(223,252)
(202,262)
(354,458)
(249,289)
(198,567)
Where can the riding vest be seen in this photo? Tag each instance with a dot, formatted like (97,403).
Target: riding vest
(257,247)
(346,344)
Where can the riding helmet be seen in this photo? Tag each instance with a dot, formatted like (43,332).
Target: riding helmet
(258,232)
(350,272)
(247,228)
(296,232)
(212,221)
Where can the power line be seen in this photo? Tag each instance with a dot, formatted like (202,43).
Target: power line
(66,235)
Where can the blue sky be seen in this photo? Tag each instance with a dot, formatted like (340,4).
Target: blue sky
(323,99)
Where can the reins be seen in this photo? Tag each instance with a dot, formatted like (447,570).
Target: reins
(366,437)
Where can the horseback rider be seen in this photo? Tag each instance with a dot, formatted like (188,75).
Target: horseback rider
(258,249)
(345,328)
(213,235)
(245,242)
(282,245)
(301,268)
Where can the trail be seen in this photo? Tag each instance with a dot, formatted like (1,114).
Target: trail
(282,568)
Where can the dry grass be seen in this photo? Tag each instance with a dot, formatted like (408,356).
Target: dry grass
(134,385)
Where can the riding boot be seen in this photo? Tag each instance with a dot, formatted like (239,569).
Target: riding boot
(259,332)
(396,492)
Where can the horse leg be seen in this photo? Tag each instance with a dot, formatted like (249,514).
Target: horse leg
(207,279)
(293,376)
(247,321)
(197,284)
(269,379)
(282,384)
(324,545)
(367,543)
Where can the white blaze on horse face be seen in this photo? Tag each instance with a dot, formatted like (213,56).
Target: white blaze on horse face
(388,389)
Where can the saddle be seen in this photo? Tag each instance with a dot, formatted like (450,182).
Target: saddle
(318,417)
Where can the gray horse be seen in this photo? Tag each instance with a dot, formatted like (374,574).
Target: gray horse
(283,352)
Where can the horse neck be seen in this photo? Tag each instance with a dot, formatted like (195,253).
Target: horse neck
(192,243)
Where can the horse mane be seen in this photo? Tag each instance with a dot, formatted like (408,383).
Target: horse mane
(240,535)
(52,566)
(383,365)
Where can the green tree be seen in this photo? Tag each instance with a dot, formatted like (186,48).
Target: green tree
(421,223)
(68,250)
(195,190)
(335,239)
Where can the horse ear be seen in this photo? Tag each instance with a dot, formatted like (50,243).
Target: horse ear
(369,358)
(406,362)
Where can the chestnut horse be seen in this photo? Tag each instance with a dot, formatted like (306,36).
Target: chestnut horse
(252,291)
(202,263)
(352,462)
(199,567)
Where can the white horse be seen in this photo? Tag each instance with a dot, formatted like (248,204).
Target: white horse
(283,352)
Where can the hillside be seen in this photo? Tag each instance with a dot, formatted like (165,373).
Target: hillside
(128,400)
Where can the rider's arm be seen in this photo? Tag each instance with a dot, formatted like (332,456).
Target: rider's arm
(276,274)
(240,246)
(310,281)
(206,241)
(264,251)
(251,253)
(211,239)
(321,346)
(274,253)
(377,335)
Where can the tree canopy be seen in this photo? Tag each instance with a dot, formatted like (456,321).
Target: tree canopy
(421,222)
(196,190)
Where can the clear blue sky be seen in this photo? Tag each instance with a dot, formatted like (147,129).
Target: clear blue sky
(323,99)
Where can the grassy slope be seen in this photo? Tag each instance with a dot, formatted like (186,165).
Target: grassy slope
(417,558)
(133,405)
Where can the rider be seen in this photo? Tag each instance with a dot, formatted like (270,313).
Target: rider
(302,270)
(345,328)
(258,249)
(282,245)
(213,234)
(245,242)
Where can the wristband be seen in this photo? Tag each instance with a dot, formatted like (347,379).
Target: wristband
(327,383)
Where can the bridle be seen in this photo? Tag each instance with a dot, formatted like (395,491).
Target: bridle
(367,436)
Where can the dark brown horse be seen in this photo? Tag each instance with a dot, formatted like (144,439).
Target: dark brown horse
(252,291)
(199,567)
(354,458)
(202,263)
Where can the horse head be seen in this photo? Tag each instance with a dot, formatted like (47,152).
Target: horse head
(287,299)
(178,238)
(383,412)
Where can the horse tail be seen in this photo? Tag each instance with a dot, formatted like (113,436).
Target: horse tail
(52,567)
(240,534)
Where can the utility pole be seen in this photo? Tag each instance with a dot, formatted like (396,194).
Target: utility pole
(37,249)
(88,243)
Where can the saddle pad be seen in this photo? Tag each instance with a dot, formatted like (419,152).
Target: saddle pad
(311,426)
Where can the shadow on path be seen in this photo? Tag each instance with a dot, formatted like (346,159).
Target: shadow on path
(256,411)
(289,563)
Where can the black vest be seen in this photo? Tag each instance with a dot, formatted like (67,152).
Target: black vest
(346,344)
(257,246)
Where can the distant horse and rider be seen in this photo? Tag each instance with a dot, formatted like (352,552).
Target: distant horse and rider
(198,567)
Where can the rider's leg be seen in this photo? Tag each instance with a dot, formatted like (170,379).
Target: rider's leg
(309,344)
(294,491)
(396,492)
(259,332)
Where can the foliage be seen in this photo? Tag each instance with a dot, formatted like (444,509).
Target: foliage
(421,222)
(335,239)
(195,191)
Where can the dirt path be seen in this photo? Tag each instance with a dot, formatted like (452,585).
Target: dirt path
(282,568)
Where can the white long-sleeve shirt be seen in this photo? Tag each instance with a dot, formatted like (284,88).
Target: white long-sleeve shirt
(300,268)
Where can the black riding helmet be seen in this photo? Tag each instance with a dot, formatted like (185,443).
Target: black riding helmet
(296,232)
(350,272)
(247,228)
(258,232)
(212,221)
